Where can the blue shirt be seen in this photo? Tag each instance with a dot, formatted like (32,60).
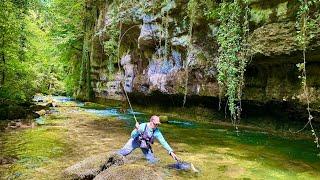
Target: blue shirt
(157,134)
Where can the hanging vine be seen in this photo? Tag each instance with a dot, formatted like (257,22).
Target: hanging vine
(192,10)
(303,38)
(233,52)
(243,59)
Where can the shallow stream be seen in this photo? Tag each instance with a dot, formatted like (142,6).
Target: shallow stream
(71,133)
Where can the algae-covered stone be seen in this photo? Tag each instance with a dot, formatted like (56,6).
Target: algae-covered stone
(129,171)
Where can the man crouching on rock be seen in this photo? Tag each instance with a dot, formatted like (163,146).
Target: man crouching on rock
(143,136)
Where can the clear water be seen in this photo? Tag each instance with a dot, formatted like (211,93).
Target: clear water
(217,151)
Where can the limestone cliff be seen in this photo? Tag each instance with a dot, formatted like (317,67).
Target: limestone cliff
(154,42)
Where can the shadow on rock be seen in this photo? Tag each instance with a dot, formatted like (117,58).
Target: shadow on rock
(87,168)
(129,171)
(92,166)
(114,160)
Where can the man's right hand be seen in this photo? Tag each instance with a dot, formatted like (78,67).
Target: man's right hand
(174,156)
(137,125)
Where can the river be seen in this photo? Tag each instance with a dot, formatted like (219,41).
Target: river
(71,133)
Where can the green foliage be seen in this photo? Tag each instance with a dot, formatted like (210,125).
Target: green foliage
(14,68)
(113,32)
(65,21)
(232,53)
(39,47)
(303,25)
(193,8)
(307,27)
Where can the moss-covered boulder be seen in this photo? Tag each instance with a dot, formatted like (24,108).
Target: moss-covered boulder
(87,168)
(92,166)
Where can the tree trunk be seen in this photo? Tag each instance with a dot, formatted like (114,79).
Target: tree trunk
(84,86)
(3,73)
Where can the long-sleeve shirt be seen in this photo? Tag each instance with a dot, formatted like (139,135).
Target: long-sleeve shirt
(157,134)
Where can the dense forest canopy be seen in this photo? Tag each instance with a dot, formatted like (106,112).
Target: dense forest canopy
(41,42)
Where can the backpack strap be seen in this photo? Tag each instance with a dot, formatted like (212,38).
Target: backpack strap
(145,127)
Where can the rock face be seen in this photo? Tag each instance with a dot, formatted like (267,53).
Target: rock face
(149,33)
(154,53)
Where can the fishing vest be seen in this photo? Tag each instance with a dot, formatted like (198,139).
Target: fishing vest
(145,140)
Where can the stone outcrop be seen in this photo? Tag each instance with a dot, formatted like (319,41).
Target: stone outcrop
(92,166)
(155,59)
(85,169)
(110,166)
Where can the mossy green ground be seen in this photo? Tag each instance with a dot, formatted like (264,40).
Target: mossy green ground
(72,135)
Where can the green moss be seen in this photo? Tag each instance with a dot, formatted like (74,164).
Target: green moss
(110,102)
(282,10)
(260,16)
(91,105)
(33,148)
(201,58)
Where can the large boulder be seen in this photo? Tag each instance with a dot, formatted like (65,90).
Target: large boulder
(129,171)
(113,160)
(86,169)
(92,166)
